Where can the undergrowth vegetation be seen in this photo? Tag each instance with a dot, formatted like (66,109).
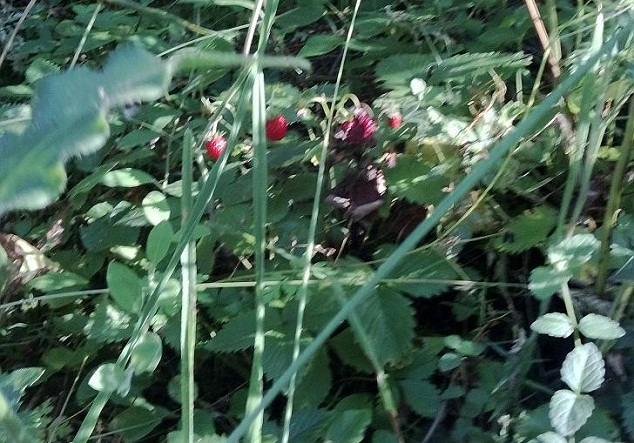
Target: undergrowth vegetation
(316,221)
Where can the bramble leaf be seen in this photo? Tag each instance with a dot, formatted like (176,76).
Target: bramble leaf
(554,324)
(568,411)
(599,327)
(583,369)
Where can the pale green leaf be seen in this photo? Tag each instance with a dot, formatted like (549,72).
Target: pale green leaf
(155,207)
(599,327)
(549,437)
(583,369)
(546,281)
(594,440)
(126,178)
(573,251)
(568,411)
(554,324)
(108,377)
(146,353)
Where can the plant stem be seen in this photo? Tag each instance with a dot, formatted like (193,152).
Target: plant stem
(614,201)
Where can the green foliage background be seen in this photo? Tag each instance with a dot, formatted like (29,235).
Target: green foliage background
(158,293)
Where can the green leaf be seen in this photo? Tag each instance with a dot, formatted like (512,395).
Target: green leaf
(627,414)
(594,440)
(399,70)
(546,281)
(155,207)
(158,242)
(568,411)
(416,180)
(428,265)
(126,178)
(348,426)
(422,396)
(136,422)
(320,44)
(387,318)
(125,287)
(583,369)
(599,327)
(146,353)
(554,324)
(449,361)
(549,437)
(528,230)
(108,377)
(463,347)
(474,64)
(573,251)
(69,119)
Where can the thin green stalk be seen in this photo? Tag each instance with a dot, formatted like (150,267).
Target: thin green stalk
(570,310)
(614,201)
(82,42)
(260,191)
(312,229)
(188,298)
(480,170)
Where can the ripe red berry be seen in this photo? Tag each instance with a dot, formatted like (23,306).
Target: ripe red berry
(276,128)
(357,131)
(394,120)
(215,146)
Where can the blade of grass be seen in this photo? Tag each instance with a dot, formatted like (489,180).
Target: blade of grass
(260,191)
(312,229)
(188,298)
(480,170)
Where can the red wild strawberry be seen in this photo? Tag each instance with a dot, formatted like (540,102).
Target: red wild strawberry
(394,120)
(358,130)
(276,128)
(215,146)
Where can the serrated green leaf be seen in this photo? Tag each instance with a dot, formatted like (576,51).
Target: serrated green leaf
(554,324)
(239,332)
(583,369)
(387,318)
(125,287)
(349,426)
(528,230)
(399,70)
(546,281)
(549,437)
(573,251)
(320,44)
(474,64)
(431,266)
(416,180)
(599,327)
(568,411)
(158,242)
(422,396)
(146,353)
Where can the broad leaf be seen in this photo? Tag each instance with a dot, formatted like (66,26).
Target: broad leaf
(108,377)
(546,281)
(568,411)
(155,207)
(146,353)
(583,369)
(549,437)
(388,321)
(136,422)
(422,396)
(573,251)
(528,230)
(349,426)
(599,327)
(554,324)
(63,126)
(158,242)
(125,287)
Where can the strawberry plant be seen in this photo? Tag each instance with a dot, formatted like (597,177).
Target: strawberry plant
(439,250)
